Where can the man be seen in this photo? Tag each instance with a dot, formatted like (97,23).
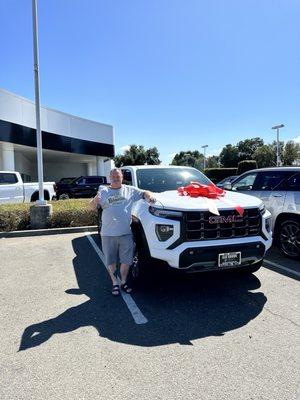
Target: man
(116,201)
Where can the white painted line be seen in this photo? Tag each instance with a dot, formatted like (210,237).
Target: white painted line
(136,313)
(282,267)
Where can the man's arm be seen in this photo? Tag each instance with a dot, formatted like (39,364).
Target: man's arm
(149,196)
(94,202)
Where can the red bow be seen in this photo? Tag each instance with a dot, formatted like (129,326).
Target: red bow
(196,189)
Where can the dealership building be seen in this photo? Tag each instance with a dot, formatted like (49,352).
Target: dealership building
(72,146)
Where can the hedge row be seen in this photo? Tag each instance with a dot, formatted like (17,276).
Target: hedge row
(217,174)
(66,213)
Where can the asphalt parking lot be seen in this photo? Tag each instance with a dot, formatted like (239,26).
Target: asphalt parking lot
(214,336)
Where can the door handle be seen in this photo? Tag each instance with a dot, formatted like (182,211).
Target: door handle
(277,195)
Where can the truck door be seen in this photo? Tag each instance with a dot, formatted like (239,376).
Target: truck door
(270,188)
(11,190)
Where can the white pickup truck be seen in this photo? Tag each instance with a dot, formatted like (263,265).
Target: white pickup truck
(14,190)
(183,233)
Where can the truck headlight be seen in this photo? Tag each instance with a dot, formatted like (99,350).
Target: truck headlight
(262,209)
(162,213)
(164,232)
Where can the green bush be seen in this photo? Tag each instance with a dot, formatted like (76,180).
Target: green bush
(217,174)
(66,213)
(246,165)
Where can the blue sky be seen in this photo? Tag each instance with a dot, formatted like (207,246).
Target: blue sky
(174,74)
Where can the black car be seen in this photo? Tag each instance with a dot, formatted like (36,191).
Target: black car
(84,186)
(227,180)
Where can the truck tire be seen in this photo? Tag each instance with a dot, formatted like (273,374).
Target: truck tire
(64,196)
(250,269)
(35,196)
(140,270)
(288,238)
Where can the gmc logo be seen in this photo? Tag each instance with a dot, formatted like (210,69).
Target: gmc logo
(220,219)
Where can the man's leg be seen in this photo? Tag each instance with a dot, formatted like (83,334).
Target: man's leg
(124,269)
(126,258)
(110,250)
(111,270)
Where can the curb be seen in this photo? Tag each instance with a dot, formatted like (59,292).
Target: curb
(50,231)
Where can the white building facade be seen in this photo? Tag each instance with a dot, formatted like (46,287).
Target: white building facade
(72,146)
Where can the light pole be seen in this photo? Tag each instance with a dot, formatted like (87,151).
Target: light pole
(37,103)
(204,160)
(40,212)
(277,127)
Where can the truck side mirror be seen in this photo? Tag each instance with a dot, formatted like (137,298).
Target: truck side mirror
(227,186)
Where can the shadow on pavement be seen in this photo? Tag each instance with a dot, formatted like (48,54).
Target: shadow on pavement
(179,309)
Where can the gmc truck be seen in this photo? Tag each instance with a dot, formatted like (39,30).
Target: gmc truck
(13,190)
(183,234)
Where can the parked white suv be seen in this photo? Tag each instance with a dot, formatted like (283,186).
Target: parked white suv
(13,190)
(181,232)
(279,189)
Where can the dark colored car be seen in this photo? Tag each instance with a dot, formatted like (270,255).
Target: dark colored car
(227,180)
(84,186)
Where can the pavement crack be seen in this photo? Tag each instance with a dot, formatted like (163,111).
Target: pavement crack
(282,317)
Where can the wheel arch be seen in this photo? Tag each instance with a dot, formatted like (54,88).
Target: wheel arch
(35,195)
(284,217)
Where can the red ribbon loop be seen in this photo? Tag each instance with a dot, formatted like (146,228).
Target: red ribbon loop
(196,189)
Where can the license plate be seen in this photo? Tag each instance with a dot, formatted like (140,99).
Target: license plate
(231,259)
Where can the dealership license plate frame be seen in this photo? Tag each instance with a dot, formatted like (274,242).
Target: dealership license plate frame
(233,259)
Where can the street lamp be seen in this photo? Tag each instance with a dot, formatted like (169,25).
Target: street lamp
(40,212)
(277,127)
(204,148)
(37,103)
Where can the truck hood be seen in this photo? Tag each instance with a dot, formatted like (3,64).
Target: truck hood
(173,201)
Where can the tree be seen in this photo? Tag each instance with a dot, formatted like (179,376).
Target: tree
(137,155)
(264,156)
(152,156)
(247,147)
(212,162)
(189,158)
(291,153)
(229,156)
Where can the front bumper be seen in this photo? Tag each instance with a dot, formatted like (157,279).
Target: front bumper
(203,255)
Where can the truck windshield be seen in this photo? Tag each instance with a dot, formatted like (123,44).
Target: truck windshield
(162,179)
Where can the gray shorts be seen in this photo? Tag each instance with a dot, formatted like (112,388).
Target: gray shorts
(118,248)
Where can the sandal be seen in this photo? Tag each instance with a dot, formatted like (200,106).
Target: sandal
(127,289)
(115,290)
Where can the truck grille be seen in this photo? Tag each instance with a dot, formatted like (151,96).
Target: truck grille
(203,225)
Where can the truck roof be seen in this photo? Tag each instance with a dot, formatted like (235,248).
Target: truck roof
(296,169)
(154,166)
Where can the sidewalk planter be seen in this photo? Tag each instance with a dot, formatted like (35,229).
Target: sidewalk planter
(66,213)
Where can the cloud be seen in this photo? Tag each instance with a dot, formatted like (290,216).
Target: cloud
(297,139)
(124,148)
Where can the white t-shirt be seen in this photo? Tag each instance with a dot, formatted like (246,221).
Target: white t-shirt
(117,205)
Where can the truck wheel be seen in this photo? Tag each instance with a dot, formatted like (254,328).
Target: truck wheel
(64,196)
(250,269)
(140,268)
(289,238)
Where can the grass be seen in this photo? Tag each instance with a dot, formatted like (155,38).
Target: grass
(66,213)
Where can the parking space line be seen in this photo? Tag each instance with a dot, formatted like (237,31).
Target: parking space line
(136,313)
(290,271)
